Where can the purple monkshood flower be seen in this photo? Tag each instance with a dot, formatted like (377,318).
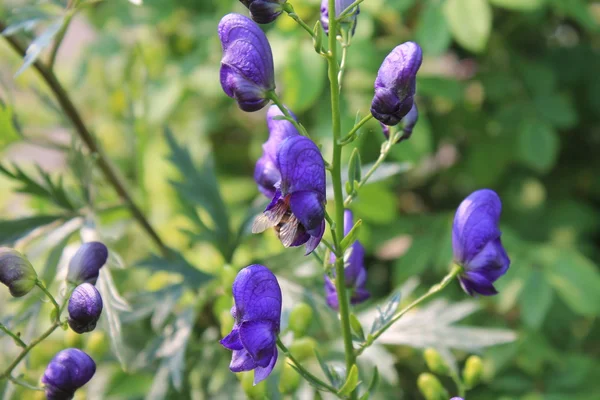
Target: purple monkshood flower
(86,263)
(85,308)
(396,84)
(257,314)
(247,73)
(264,11)
(297,211)
(266,172)
(340,6)
(476,242)
(355,273)
(69,370)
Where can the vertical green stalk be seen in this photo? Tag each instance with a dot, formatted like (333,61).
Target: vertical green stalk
(336,177)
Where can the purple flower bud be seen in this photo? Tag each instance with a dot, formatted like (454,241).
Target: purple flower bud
(85,307)
(247,73)
(266,173)
(340,6)
(257,313)
(355,273)
(69,370)
(16,272)
(264,11)
(86,263)
(476,242)
(297,211)
(395,84)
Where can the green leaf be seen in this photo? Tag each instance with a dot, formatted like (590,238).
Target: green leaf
(39,44)
(356,327)
(387,312)
(372,385)
(177,265)
(576,280)
(12,230)
(519,5)
(9,132)
(538,145)
(557,109)
(352,235)
(303,78)
(535,299)
(325,367)
(354,167)
(470,22)
(376,204)
(433,41)
(351,382)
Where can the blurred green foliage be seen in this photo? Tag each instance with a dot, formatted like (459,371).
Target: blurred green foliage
(509,96)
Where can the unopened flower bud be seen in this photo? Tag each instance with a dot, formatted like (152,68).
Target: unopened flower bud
(69,370)
(289,379)
(303,348)
(300,318)
(431,388)
(264,11)
(85,308)
(86,263)
(435,362)
(16,272)
(472,371)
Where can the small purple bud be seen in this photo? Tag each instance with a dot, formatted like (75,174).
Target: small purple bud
(264,11)
(476,242)
(340,6)
(16,272)
(385,130)
(68,371)
(266,173)
(85,308)
(396,83)
(257,313)
(86,263)
(355,273)
(409,121)
(247,73)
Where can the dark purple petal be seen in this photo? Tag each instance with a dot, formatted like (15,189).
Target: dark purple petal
(260,373)
(69,370)
(86,263)
(247,72)
(266,172)
(476,242)
(85,308)
(264,11)
(308,208)
(409,121)
(301,166)
(232,341)
(241,360)
(258,338)
(16,272)
(360,295)
(257,295)
(396,83)
(315,239)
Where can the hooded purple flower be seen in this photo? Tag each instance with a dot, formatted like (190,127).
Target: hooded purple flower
(85,308)
(264,11)
(396,83)
(257,314)
(476,242)
(86,263)
(340,6)
(16,272)
(247,73)
(297,210)
(69,370)
(355,273)
(266,172)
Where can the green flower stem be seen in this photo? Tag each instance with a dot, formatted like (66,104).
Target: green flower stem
(41,285)
(336,177)
(297,364)
(459,384)
(345,44)
(71,9)
(105,165)
(289,9)
(15,337)
(456,270)
(385,149)
(348,10)
(27,385)
(350,136)
(7,373)
(275,99)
